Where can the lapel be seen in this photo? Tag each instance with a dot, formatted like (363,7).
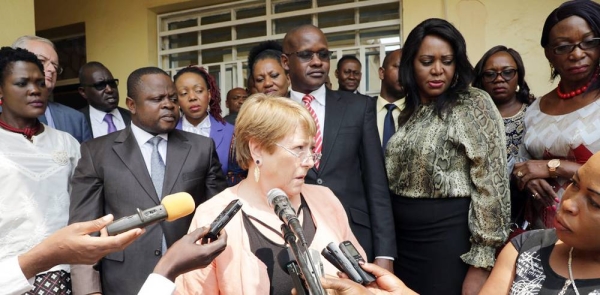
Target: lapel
(335,109)
(128,150)
(86,114)
(177,152)
(216,131)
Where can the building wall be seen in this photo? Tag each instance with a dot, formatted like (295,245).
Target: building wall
(16,19)
(122,34)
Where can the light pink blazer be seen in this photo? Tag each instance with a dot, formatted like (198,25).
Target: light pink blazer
(237,271)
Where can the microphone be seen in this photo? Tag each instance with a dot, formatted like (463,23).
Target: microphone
(288,263)
(280,202)
(172,207)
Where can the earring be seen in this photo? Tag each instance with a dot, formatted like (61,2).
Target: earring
(518,88)
(257,171)
(0,102)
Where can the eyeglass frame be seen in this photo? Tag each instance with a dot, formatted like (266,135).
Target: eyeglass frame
(313,53)
(500,73)
(572,46)
(97,85)
(316,156)
(45,60)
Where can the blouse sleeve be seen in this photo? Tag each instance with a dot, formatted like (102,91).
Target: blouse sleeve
(483,138)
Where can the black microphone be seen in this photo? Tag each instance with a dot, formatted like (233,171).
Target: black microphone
(280,202)
(171,208)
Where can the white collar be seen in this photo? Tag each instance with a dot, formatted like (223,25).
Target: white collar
(98,115)
(141,136)
(319,95)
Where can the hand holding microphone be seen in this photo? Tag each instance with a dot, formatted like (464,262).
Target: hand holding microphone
(171,208)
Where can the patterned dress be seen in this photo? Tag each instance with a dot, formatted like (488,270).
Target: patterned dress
(573,137)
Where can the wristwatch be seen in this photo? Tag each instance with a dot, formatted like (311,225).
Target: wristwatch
(552,166)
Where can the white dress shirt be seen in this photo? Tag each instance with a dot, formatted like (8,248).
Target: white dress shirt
(142,138)
(202,129)
(99,127)
(382,112)
(318,104)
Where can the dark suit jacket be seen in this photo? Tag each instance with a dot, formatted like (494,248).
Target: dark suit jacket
(222,135)
(69,120)
(111,177)
(126,114)
(353,168)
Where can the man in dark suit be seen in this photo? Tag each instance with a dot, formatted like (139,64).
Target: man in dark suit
(135,168)
(348,73)
(57,116)
(352,165)
(99,88)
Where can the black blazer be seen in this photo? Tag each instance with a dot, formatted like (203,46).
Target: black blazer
(111,177)
(353,168)
(126,114)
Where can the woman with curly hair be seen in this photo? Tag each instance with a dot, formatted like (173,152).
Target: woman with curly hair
(264,63)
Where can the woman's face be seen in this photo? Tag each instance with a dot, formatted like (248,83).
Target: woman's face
(283,169)
(578,65)
(434,67)
(500,78)
(270,78)
(193,97)
(578,218)
(23,92)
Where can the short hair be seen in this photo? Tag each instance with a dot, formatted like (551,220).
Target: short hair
(9,55)
(266,120)
(135,79)
(265,50)
(89,65)
(463,76)
(214,104)
(20,42)
(586,9)
(288,40)
(345,58)
(523,95)
(386,59)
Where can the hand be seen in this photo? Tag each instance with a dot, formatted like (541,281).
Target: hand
(529,170)
(73,245)
(386,283)
(187,254)
(474,280)
(542,191)
(385,263)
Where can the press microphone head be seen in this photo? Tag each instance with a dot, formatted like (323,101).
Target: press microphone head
(178,205)
(274,193)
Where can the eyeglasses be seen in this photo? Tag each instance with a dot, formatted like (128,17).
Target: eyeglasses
(583,45)
(102,84)
(47,63)
(303,155)
(307,55)
(507,75)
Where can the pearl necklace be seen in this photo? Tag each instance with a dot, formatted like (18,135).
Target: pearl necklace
(570,280)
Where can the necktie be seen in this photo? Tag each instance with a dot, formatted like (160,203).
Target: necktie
(157,166)
(389,128)
(111,125)
(318,137)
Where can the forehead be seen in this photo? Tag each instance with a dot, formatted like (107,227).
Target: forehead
(350,63)
(155,84)
(434,45)
(267,63)
(237,92)
(41,48)
(23,69)
(308,38)
(98,74)
(501,58)
(570,27)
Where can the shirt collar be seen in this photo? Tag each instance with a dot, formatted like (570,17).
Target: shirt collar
(205,124)
(319,95)
(98,115)
(141,136)
(381,102)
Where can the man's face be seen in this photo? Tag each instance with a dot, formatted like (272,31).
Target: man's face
(389,75)
(100,89)
(307,59)
(155,108)
(49,58)
(349,75)
(235,99)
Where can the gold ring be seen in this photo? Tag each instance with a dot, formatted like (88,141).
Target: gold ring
(519,174)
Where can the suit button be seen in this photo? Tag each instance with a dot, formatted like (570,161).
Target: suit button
(157,252)
(319,181)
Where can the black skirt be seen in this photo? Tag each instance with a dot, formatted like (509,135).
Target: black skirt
(431,236)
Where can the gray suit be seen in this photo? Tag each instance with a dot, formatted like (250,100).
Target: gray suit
(112,177)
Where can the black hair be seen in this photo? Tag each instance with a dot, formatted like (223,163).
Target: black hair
(215,94)
(265,50)
(345,58)
(89,65)
(9,55)
(463,75)
(586,9)
(135,79)
(386,59)
(523,95)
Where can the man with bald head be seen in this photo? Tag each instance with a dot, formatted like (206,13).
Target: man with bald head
(99,88)
(57,116)
(390,101)
(352,165)
(235,99)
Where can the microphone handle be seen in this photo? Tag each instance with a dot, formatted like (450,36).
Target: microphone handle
(141,220)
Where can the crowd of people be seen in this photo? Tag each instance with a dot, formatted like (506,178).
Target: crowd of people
(453,180)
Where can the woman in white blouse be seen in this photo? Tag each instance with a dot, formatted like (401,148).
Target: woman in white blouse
(36,163)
